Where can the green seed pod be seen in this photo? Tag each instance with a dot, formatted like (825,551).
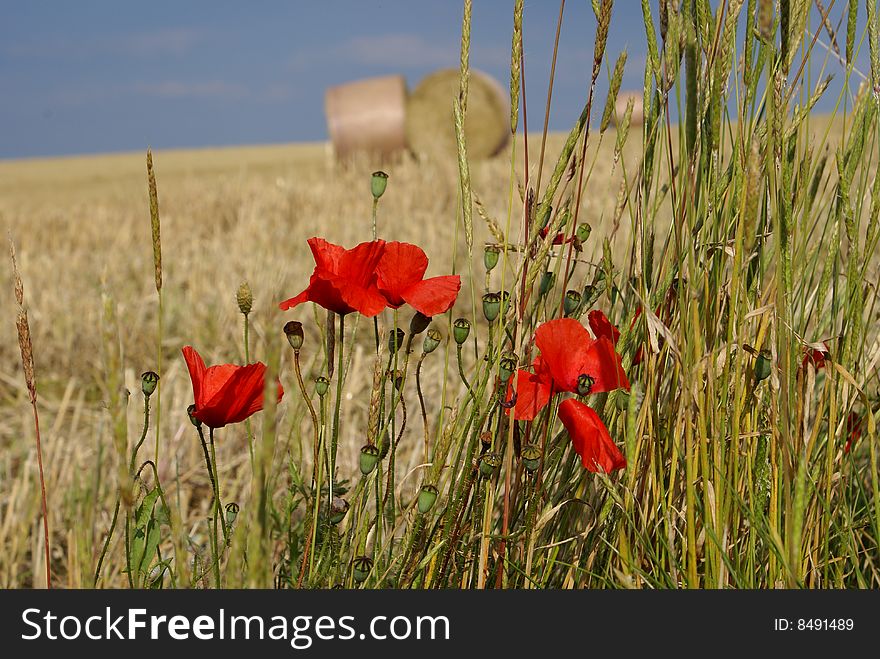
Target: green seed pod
(322,385)
(338,508)
(378,183)
(583,232)
(231,512)
(585,384)
(293,330)
(489,464)
(571,303)
(490,257)
(763,365)
(191,411)
(531,457)
(360,568)
(507,366)
(505,302)
(491,306)
(432,341)
(395,340)
(427,498)
(419,323)
(369,458)
(547,281)
(245,298)
(461,328)
(149,380)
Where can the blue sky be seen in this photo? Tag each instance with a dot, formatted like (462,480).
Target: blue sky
(108,75)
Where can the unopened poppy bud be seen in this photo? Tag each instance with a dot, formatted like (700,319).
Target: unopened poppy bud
(244,298)
(294,332)
(149,380)
(419,323)
(583,232)
(486,440)
(395,340)
(490,257)
(547,281)
(427,497)
(531,457)
(489,464)
(338,508)
(461,328)
(322,384)
(491,306)
(571,303)
(507,366)
(432,341)
(585,384)
(369,458)
(763,365)
(191,411)
(378,183)
(360,568)
(231,512)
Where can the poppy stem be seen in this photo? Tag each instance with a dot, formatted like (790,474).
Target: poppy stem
(214,551)
(247,360)
(334,441)
(217,484)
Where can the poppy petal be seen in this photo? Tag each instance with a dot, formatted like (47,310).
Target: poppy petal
(196,366)
(532,395)
(564,344)
(327,255)
(402,265)
(433,296)
(601,326)
(359,263)
(604,365)
(590,437)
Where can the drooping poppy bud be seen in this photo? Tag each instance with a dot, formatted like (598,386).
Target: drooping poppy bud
(547,281)
(419,323)
(378,183)
(585,384)
(245,298)
(461,328)
(531,457)
(369,458)
(360,568)
(294,332)
(149,380)
(427,498)
(490,257)
(491,306)
(432,341)
(395,340)
(763,365)
(322,385)
(338,508)
(489,464)
(507,366)
(571,303)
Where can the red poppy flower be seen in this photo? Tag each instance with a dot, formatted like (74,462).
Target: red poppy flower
(225,393)
(570,360)
(601,326)
(853,430)
(558,239)
(816,357)
(344,280)
(590,437)
(401,272)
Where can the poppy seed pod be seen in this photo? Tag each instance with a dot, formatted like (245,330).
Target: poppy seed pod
(571,303)
(583,232)
(245,298)
(360,568)
(590,295)
(149,380)
(293,330)
(507,366)
(486,440)
(547,281)
(491,306)
(378,183)
(232,509)
(432,341)
(427,498)
(191,411)
(490,257)
(585,384)
(419,323)
(338,508)
(489,464)
(397,378)
(395,340)
(369,458)
(461,328)
(531,457)
(322,385)
(762,365)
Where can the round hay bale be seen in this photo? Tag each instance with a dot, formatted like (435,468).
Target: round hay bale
(430,128)
(367,116)
(638,115)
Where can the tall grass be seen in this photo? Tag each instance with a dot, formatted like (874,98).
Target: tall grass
(736,253)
